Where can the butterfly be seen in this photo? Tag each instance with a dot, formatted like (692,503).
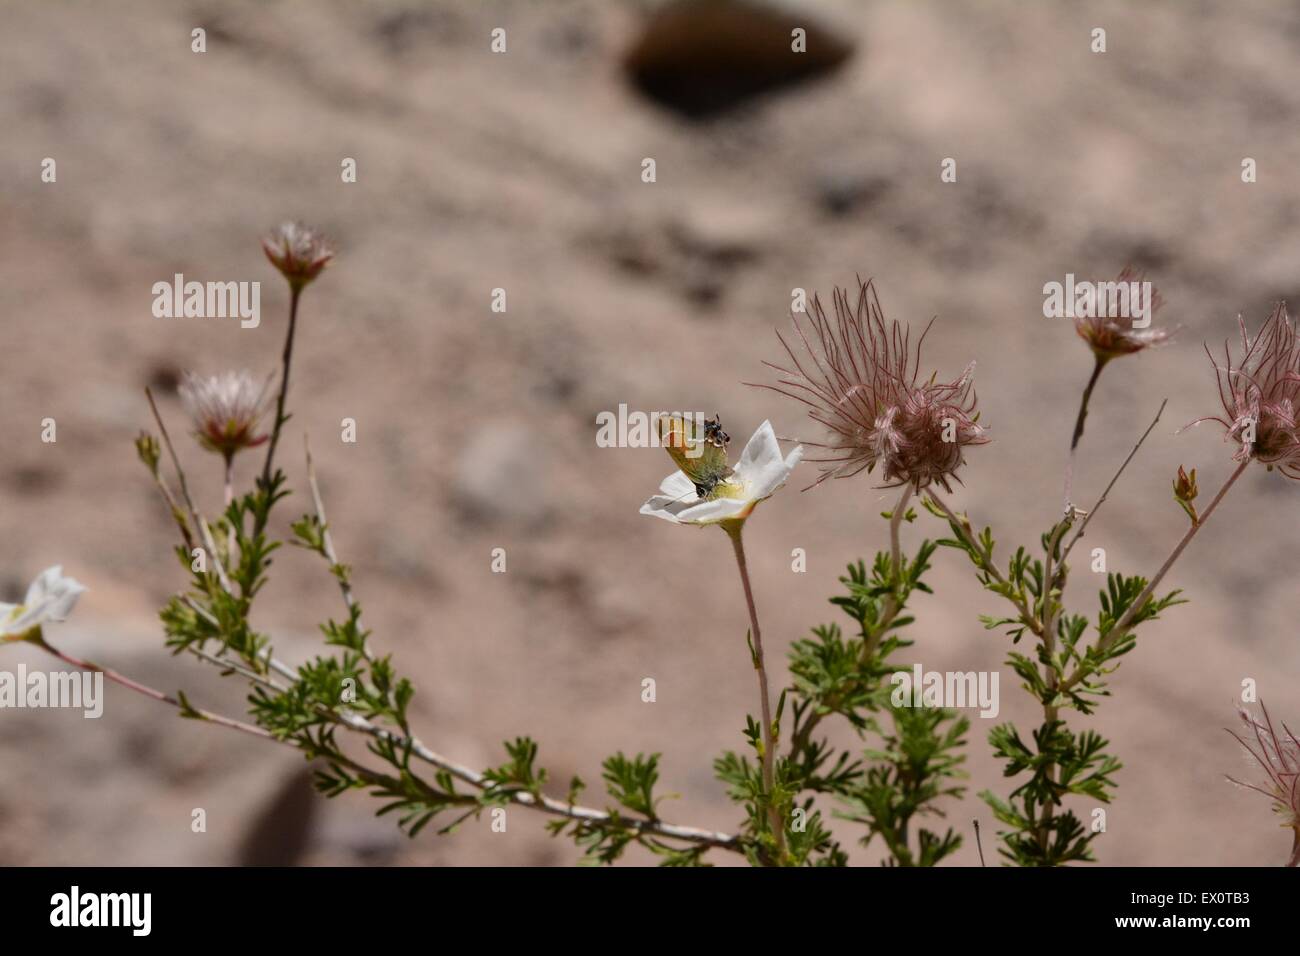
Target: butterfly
(701,453)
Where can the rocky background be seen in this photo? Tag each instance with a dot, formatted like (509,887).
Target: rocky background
(476,429)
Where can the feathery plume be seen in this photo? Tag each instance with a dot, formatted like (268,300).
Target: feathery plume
(860,380)
(1114,336)
(1261,393)
(1279,756)
(226,410)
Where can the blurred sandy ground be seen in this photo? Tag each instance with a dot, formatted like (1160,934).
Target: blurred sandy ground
(476,429)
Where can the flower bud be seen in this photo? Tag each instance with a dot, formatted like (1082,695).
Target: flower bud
(1185,492)
(300,253)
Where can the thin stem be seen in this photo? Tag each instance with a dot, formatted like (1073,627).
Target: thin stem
(200,525)
(1078,425)
(1120,627)
(157,695)
(769,744)
(1030,618)
(984,561)
(327,539)
(1051,713)
(285,363)
(229,667)
(1047,615)
(176,462)
(896,523)
(799,739)
(1083,404)
(1102,500)
(177,514)
(892,604)
(229,496)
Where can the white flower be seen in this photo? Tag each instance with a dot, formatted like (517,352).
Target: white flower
(50,597)
(759,474)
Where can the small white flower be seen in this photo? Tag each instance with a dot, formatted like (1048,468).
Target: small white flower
(759,474)
(50,597)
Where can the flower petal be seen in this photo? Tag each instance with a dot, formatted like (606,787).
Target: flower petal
(44,582)
(711,512)
(61,605)
(51,597)
(774,476)
(661,506)
(761,466)
(677,485)
(761,450)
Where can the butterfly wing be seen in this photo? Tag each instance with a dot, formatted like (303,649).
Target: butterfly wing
(703,461)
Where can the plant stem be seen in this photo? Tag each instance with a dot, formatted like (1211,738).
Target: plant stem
(285,362)
(984,561)
(1092,512)
(200,526)
(1078,424)
(1047,616)
(895,523)
(1118,629)
(154,694)
(893,605)
(734,532)
(229,496)
(327,540)
(1083,404)
(1053,575)
(871,641)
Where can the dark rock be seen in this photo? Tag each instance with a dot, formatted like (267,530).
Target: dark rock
(701,58)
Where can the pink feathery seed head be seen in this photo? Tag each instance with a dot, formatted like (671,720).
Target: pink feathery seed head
(226,410)
(1260,394)
(858,374)
(1114,336)
(298,251)
(1275,750)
